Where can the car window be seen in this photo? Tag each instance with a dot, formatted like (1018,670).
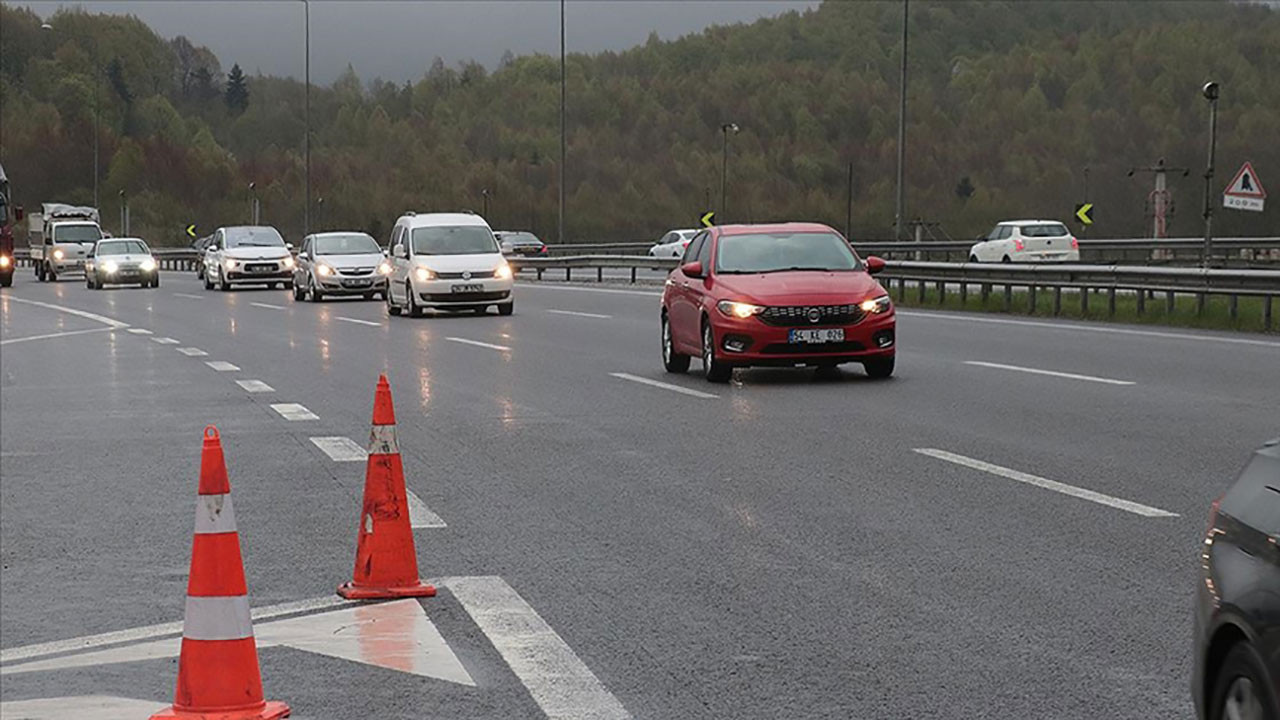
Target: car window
(395,238)
(353,244)
(122,247)
(779,252)
(453,240)
(704,253)
(76,233)
(253,237)
(694,247)
(1005,232)
(667,239)
(1043,230)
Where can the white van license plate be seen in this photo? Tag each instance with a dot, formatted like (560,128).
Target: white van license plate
(820,335)
(466,288)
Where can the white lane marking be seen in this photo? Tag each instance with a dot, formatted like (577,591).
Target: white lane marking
(255,386)
(110,322)
(269,306)
(559,682)
(164,340)
(189,296)
(139,331)
(86,642)
(1090,495)
(358,321)
(294,411)
(340,449)
(192,352)
(613,291)
(477,343)
(69,333)
(222,366)
(1054,373)
(580,314)
(1088,328)
(420,516)
(84,707)
(664,386)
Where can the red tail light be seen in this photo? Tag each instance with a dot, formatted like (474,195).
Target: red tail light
(1075,244)
(1018,246)
(685,243)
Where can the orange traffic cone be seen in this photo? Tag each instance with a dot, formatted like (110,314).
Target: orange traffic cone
(386,562)
(218,676)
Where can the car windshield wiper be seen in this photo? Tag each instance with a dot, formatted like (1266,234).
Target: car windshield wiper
(798,269)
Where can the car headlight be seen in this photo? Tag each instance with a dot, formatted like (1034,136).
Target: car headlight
(503,272)
(384,269)
(324,270)
(424,274)
(738,309)
(58,255)
(288,261)
(148,265)
(4,261)
(876,305)
(231,264)
(110,267)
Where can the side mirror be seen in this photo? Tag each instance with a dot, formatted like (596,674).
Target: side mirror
(290,246)
(874,264)
(18,213)
(692,269)
(401,252)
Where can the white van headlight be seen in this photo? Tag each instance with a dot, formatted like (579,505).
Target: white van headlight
(423,274)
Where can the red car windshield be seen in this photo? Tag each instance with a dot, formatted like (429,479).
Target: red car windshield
(782,252)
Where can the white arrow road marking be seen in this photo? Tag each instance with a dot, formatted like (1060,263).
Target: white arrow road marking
(222,366)
(255,386)
(1065,489)
(294,411)
(81,707)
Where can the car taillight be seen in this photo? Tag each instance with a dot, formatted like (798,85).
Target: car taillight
(1017,245)
(1075,244)
(685,243)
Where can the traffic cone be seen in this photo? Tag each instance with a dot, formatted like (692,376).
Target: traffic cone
(218,676)
(386,561)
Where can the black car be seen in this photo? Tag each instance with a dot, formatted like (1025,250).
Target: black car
(1237,614)
(519,242)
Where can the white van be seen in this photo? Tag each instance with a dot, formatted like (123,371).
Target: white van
(446,261)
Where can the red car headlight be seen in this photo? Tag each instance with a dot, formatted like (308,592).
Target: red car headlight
(876,305)
(739,310)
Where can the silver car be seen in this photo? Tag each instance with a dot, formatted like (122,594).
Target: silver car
(340,263)
(120,261)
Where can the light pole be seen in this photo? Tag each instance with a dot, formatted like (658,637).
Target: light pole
(562,127)
(1211,92)
(97,108)
(725,129)
(902,129)
(485,194)
(253,203)
(306,212)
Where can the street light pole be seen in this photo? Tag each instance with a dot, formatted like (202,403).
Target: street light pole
(1211,92)
(484,194)
(562,127)
(725,129)
(900,206)
(306,212)
(97,103)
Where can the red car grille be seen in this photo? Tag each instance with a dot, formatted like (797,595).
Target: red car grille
(794,315)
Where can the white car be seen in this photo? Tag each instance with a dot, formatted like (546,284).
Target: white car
(1027,241)
(247,255)
(121,261)
(447,261)
(672,244)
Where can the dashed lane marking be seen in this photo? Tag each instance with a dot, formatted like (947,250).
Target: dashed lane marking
(358,321)
(29,338)
(255,386)
(340,449)
(189,296)
(192,352)
(1037,481)
(164,340)
(1051,373)
(139,331)
(477,343)
(664,386)
(82,707)
(575,313)
(269,306)
(420,516)
(294,411)
(222,366)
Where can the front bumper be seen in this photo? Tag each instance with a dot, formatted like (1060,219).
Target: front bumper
(451,293)
(874,336)
(125,276)
(65,266)
(240,277)
(351,284)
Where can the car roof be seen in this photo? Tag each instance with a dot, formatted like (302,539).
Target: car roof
(1027,222)
(339,232)
(793,227)
(437,219)
(248,227)
(117,239)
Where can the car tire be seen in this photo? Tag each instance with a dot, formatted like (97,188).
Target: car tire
(505,308)
(879,368)
(50,275)
(973,258)
(155,281)
(712,369)
(672,361)
(6,280)
(1242,684)
(314,291)
(412,309)
(299,292)
(88,281)
(199,272)
(223,285)
(273,286)
(1005,259)
(208,282)
(369,296)
(392,308)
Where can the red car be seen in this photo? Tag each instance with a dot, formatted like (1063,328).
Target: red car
(787,294)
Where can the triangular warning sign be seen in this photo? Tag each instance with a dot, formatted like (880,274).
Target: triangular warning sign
(1246,184)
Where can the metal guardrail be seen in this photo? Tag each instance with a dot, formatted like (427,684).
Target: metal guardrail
(166,258)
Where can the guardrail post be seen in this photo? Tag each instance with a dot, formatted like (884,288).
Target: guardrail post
(539,273)
(1266,312)
(942,293)
(986,293)
(1031,299)
(633,276)
(1142,302)
(1201,301)
(921,287)
(1233,310)
(599,274)
(567,270)
(1084,301)
(1008,296)
(1111,301)
(1169,303)
(902,289)
(964,294)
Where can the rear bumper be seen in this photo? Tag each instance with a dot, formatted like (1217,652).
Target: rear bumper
(874,336)
(1047,256)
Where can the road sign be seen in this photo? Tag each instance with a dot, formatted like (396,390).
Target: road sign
(1084,213)
(708,218)
(1245,191)
(191,230)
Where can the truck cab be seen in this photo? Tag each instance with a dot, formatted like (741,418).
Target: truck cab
(62,238)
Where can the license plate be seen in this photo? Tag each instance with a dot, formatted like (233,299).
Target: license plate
(466,288)
(356,283)
(816,335)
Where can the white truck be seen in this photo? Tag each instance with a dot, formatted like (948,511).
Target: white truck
(61,238)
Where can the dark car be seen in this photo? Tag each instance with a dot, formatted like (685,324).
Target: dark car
(1237,614)
(519,242)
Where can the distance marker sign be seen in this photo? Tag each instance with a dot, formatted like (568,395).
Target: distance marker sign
(1245,191)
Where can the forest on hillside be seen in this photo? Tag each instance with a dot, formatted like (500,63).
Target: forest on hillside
(1008,103)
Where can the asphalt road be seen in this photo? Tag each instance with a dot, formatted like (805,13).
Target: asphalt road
(787,546)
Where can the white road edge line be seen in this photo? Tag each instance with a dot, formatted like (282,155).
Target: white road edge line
(1073,491)
(269,306)
(664,386)
(87,642)
(358,321)
(293,411)
(477,343)
(192,352)
(1053,373)
(1090,328)
(559,682)
(580,314)
(110,322)
(222,366)
(255,386)
(29,338)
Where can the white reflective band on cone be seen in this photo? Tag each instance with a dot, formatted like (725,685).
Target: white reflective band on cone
(217,618)
(215,514)
(382,440)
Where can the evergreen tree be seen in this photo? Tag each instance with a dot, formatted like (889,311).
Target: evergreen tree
(237,95)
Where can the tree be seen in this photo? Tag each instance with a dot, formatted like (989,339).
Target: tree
(237,94)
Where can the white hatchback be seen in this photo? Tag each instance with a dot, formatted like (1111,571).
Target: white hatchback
(1027,241)
(446,261)
(672,244)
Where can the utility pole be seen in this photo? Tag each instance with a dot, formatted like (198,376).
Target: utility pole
(254,208)
(1211,91)
(1159,199)
(485,195)
(562,126)
(725,129)
(124,222)
(306,212)
(848,208)
(902,128)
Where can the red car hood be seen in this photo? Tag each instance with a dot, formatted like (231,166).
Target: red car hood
(800,288)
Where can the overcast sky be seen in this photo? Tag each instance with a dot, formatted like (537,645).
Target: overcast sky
(397,40)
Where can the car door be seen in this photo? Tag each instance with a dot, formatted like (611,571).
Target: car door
(211,256)
(304,263)
(683,314)
(398,250)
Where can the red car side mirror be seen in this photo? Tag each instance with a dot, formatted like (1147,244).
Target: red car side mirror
(692,269)
(874,264)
